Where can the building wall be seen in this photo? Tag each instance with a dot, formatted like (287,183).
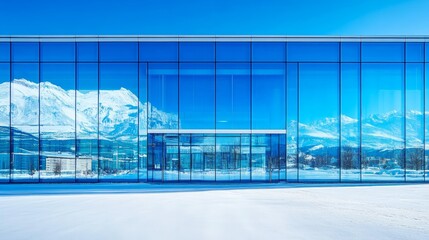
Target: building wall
(274,109)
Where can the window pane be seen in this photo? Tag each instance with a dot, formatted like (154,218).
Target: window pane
(350,125)
(202,157)
(25,122)
(4,122)
(87,51)
(266,157)
(382,52)
(268,52)
(197,52)
(158,52)
(232,52)
(228,157)
(312,52)
(382,122)
(57,122)
(350,52)
(4,52)
(232,96)
(118,112)
(268,96)
(318,122)
(25,52)
(118,52)
(426,119)
(197,96)
(163,96)
(414,128)
(415,52)
(57,52)
(292,119)
(87,122)
(143,117)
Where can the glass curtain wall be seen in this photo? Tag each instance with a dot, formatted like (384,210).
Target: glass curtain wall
(295,111)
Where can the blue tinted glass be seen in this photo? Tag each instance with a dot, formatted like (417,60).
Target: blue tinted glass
(118,52)
(4,52)
(197,51)
(382,52)
(57,52)
(268,96)
(25,52)
(233,52)
(350,52)
(414,52)
(427,52)
(163,95)
(158,52)
(312,52)
(87,52)
(233,96)
(197,96)
(268,52)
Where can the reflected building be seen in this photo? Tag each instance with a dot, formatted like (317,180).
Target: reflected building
(225,109)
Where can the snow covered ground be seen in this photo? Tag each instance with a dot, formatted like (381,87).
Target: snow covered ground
(214,211)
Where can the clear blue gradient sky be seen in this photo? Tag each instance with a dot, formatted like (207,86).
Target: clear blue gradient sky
(220,17)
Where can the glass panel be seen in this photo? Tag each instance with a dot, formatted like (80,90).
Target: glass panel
(426,119)
(118,52)
(382,156)
(25,52)
(197,96)
(350,125)
(25,122)
(87,122)
(265,157)
(228,157)
(203,157)
(350,52)
(185,157)
(245,155)
(118,113)
(142,122)
(292,119)
(197,52)
(415,52)
(268,96)
(163,96)
(313,52)
(268,52)
(57,52)
(4,52)
(4,122)
(57,122)
(414,128)
(382,52)
(158,52)
(232,96)
(232,52)
(87,51)
(318,122)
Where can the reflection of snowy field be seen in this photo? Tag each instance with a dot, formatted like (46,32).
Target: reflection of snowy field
(214,211)
(305,175)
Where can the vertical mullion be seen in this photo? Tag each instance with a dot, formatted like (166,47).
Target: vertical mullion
(10,113)
(138,111)
(405,112)
(297,122)
(39,162)
(339,155)
(98,111)
(75,110)
(360,110)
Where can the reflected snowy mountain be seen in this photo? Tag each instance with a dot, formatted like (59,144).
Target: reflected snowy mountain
(118,111)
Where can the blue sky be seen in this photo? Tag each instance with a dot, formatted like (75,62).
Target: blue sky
(291,17)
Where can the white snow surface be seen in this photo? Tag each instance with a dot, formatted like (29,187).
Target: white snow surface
(214,211)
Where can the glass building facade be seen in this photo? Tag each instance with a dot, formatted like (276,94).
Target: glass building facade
(224,109)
